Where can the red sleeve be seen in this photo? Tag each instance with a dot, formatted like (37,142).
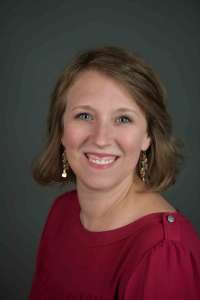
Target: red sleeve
(168,272)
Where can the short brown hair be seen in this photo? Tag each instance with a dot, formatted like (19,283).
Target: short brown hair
(130,70)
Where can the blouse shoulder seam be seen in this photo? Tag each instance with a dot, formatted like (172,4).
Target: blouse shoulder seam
(162,242)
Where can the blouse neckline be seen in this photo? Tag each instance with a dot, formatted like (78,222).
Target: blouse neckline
(95,238)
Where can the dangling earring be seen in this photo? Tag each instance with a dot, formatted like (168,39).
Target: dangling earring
(143,166)
(65,165)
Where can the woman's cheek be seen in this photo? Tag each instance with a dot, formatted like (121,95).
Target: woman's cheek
(130,141)
(74,136)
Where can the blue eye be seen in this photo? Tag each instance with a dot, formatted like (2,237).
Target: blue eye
(124,120)
(84,116)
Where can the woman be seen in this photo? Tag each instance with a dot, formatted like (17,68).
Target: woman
(115,236)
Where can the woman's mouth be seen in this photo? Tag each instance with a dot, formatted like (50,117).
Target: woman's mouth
(101,160)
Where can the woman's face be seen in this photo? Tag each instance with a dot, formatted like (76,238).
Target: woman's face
(104,132)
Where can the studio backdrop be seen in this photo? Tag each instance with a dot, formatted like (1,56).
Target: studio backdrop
(37,40)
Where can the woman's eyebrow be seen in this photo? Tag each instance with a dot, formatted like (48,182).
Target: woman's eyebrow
(126,109)
(119,110)
(83,107)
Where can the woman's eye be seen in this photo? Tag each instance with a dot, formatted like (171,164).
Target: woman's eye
(84,116)
(124,120)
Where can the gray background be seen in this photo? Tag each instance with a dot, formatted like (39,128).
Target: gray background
(37,40)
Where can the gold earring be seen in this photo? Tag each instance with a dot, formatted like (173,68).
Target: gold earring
(65,165)
(143,166)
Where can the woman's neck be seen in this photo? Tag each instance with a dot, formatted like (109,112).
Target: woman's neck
(106,209)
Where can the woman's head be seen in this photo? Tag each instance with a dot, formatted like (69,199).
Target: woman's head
(133,75)
(104,132)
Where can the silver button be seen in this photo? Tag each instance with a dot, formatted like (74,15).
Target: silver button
(170,219)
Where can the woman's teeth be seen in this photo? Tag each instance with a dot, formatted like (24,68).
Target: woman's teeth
(101,161)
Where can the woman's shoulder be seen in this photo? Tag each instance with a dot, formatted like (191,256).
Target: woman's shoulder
(175,224)
(169,227)
(162,224)
(166,261)
(64,207)
(67,198)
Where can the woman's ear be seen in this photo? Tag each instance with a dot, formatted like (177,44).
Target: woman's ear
(146,143)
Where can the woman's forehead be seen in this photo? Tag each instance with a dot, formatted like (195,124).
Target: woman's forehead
(91,85)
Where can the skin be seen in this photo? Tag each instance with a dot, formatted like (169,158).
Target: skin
(102,121)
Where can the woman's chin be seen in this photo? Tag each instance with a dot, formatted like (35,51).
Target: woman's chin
(97,184)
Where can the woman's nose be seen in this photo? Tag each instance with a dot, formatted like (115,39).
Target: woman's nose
(103,134)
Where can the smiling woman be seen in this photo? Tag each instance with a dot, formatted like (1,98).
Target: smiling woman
(114,236)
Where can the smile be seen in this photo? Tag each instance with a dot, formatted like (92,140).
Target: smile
(100,160)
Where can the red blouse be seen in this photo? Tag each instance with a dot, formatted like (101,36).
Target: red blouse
(156,257)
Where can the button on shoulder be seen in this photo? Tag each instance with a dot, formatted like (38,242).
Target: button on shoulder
(170,218)
(171,226)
